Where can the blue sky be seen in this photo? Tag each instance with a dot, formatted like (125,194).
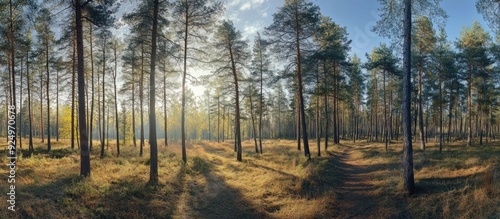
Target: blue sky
(358,16)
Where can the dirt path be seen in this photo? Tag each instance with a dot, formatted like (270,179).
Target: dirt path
(355,191)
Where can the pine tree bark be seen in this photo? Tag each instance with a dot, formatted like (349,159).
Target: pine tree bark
(408,178)
(91,126)
(237,107)
(116,103)
(141,99)
(103,96)
(78,5)
(48,91)
(84,153)
(30,115)
(420,111)
(183,104)
(153,144)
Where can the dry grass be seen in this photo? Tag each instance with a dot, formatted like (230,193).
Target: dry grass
(459,183)
(281,183)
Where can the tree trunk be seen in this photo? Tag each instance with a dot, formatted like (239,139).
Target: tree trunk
(133,100)
(237,107)
(141,99)
(420,111)
(218,118)
(325,105)
(84,153)
(20,132)
(91,126)
(386,140)
(12,81)
(318,137)
(261,100)
(440,112)
(41,108)
(153,177)
(253,122)
(183,107)
(30,115)
(223,121)
(103,96)
(165,141)
(297,116)
(78,5)
(408,178)
(300,90)
(57,106)
(48,91)
(116,104)
(469,107)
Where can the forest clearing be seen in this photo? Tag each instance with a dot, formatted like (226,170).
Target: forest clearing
(359,180)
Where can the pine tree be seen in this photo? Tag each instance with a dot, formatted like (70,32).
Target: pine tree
(192,16)
(233,52)
(293,25)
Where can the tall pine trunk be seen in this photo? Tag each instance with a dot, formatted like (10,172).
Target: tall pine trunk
(48,91)
(153,144)
(103,97)
(92,87)
(84,153)
(301,97)
(408,178)
(183,104)
(254,132)
(237,107)
(73,83)
(141,99)
(30,115)
(116,104)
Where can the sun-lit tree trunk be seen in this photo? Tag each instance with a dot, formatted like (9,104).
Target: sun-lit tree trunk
(116,101)
(183,104)
(103,96)
(223,121)
(254,132)
(153,144)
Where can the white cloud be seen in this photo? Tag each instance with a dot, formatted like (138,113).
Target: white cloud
(233,3)
(245,6)
(251,30)
(251,4)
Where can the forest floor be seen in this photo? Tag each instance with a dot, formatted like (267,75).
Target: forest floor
(350,180)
